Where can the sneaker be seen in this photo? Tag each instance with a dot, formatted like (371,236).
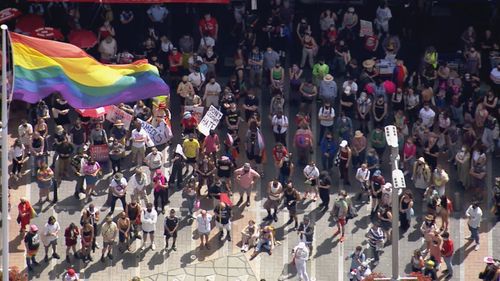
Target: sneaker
(342,239)
(228,237)
(35,262)
(102,259)
(56,256)
(476,248)
(110,256)
(46,258)
(153,246)
(275,218)
(221,235)
(174,248)
(68,260)
(90,258)
(248,204)
(143,247)
(166,246)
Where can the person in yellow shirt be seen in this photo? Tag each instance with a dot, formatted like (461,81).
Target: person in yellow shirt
(191,148)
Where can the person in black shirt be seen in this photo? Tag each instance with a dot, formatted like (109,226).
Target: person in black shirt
(224,169)
(306,233)
(76,164)
(32,243)
(215,189)
(178,164)
(78,136)
(291,198)
(171,225)
(325,182)
(59,136)
(60,111)
(251,105)
(232,119)
(65,150)
(222,214)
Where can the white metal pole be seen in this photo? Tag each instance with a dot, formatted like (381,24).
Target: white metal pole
(5,163)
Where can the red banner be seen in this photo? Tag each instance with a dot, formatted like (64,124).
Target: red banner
(142,1)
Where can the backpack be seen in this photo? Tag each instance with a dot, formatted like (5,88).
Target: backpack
(302,140)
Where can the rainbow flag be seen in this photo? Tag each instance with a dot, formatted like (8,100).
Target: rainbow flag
(42,67)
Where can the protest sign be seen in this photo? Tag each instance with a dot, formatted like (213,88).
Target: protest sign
(99,153)
(115,113)
(210,120)
(158,135)
(365,28)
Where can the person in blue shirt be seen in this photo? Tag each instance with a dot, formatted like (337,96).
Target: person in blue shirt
(328,149)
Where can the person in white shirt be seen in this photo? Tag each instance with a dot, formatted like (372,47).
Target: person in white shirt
(427,115)
(382,17)
(311,172)
(280,127)
(350,83)
(139,138)
(25,132)
(197,79)
(212,93)
(363,177)
(207,42)
(149,218)
(137,183)
(157,13)
(203,220)
(326,116)
(51,233)
(474,215)
(154,160)
(118,190)
(300,256)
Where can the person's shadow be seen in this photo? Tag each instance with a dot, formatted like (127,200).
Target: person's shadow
(290,271)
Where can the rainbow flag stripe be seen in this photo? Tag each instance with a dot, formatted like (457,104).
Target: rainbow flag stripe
(42,67)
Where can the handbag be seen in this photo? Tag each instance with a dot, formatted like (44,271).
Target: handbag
(33,213)
(18,219)
(336,161)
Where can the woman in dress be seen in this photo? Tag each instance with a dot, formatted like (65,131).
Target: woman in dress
(462,159)
(345,155)
(44,177)
(18,156)
(24,217)
(71,234)
(405,210)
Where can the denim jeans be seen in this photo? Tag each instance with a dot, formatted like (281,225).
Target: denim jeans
(474,233)
(449,267)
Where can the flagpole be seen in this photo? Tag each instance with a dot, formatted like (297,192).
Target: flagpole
(5,163)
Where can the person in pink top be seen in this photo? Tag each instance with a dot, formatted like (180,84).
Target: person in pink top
(160,190)
(246,177)
(409,155)
(211,144)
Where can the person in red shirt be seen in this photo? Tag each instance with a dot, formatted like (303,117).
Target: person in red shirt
(208,26)
(447,250)
(211,144)
(279,151)
(175,62)
(71,234)
(188,123)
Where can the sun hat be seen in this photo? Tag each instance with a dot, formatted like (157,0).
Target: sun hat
(368,63)
(328,77)
(377,173)
(187,115)
(33,228)
(118,176)
(358,134)
(429,217)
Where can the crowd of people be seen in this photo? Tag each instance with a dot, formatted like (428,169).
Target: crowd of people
(445,115)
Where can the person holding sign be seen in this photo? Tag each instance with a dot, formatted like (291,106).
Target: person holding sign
(138,139)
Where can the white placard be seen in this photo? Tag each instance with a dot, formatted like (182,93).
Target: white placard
(365,28)
(159,135)
(115,113)
(210,120)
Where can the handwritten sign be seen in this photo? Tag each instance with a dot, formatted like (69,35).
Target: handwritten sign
(365,28)
(210,120)
(158,135)
(99,153)
(115,113)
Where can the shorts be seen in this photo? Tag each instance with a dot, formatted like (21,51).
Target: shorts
(342,221)
(168,234)
(226,226)
(191,160)
(271,204)
(203,233)
(377,195)
(121,237)
(146,232)
(110,243)
(70,243)
(306,100)
(256,158)
(292,210)
(51,243)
